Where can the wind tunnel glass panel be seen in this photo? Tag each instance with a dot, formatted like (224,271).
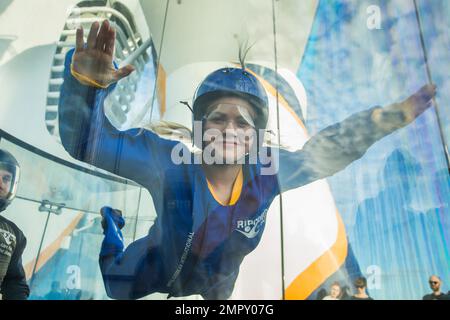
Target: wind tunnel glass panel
(57,206)
(382,213)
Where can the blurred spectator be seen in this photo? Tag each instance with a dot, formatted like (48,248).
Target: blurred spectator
(435,286)
(73,294)
(321,294)
(345,293)
(335,292)
(55,292)
(361,294)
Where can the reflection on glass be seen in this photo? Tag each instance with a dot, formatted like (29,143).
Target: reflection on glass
(316,70)
(392,202)
(61,257)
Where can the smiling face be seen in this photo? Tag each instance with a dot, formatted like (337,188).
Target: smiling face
(5,183)
(229,129)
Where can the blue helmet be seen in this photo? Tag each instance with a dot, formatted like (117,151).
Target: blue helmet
(235,82)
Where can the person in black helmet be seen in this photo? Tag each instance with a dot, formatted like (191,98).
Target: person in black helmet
(13,284)
(211,206)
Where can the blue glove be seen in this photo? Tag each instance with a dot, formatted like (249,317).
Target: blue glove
(112,223)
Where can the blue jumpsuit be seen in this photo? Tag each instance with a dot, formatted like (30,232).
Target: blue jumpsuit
(196,245)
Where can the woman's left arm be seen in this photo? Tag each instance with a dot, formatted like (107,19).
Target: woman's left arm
(335,147)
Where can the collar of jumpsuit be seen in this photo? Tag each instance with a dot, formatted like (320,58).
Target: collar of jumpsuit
(235,192)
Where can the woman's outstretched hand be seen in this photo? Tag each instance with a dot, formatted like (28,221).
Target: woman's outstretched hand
(95,59)
(401,114)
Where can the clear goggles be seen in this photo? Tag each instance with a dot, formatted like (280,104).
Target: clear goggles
(224,113)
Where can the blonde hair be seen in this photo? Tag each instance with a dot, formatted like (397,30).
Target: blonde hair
(170,130)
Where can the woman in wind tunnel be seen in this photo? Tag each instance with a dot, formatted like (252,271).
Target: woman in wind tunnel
(210,214)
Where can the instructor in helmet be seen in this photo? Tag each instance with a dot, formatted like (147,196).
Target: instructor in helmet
(13,285)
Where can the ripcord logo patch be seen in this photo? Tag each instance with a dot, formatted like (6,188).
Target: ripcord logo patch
(252,227)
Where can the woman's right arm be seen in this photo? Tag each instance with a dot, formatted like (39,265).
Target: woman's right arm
(88,135)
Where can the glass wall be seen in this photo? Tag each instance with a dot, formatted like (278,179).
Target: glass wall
(58,207)
(394,201)
(348,197)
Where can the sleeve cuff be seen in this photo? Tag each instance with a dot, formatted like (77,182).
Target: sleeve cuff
(86,80)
